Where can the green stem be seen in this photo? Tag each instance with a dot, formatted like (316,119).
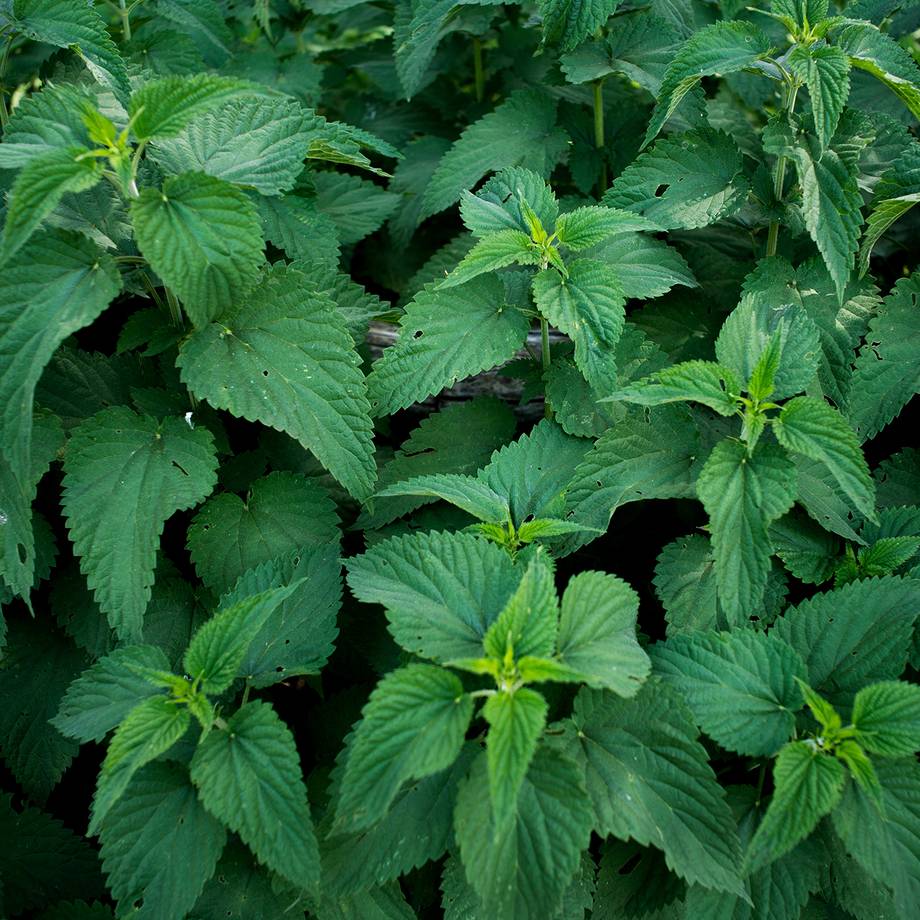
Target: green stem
(175,310)
(246,690)
(599,132)
(479,76)
(4,59)
(125,20)
(544,347)
(779,176)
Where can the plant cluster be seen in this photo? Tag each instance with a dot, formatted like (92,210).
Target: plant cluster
(295,628)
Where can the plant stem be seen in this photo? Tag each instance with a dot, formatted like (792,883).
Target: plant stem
(779,176)
(544,348)
(175,310)
(479,76)
(125,20)
(599,133)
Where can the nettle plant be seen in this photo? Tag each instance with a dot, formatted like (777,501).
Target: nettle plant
(681,237)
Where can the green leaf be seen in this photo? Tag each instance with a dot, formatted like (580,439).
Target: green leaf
(887,718)
(691,381)
(743,494)
(887,375)
(356,206)
(885,841)
(528,623)
(60,283)
(79,27)
(811,427)
(808,784)
(413,726)
(588,306)
(38,664)
(740,687)
(125,475)
(808,551)
(470,494)
(880,55)
(687,181)
(105,693)
(282,512)
(597,633)
(495,251)
(39,187)
(203,237)
(446,335)
(825,70)
(297,226)
(588,226)
(685,583)
(162,108)
(723,48)
(516,721)
(159,820)
(855,635)
(297,638)
(649,780)
(248,776)
(217,650)
(41,860)
(567,23)
(441,591)
(520,869)
(151,728)
(255,142)
(520,132)
(284,357)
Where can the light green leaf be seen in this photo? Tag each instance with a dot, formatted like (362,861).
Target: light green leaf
(203,237)
(567,23)
(502,203)
(446,335)
(79,27)
(125,475)
(413,726)
(146,830)
(855,635)
(520,132)
(649,780)
(721,48)
(516,721)
(284,357)
(739,686)
(255,142)
(248,776)
(825,70)
(809,426)
(597,633)
(441,591)
(495,251)
(218,648)
(528,623)
(521,869)
(808,784)
(60,283)
(163,107)
(151,728)
(38,188)
(887,718)
(105,693)
(888,366)
(466,492)
(646,267)
(588,306)
(691,381)
(686,181)
(743,494)
(282,512)
(880,55)
(588,226)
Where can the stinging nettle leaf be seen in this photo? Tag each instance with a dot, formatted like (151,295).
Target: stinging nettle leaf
(886,716)
(124,475)
(691,381)
(825,70)
(472,495)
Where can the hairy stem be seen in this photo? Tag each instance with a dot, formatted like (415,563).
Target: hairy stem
(599,133)
(544,348)
(125,14)
(479,76)
(175,310)
(779,175)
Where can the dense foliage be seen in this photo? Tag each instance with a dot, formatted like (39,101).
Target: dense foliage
(295,628)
